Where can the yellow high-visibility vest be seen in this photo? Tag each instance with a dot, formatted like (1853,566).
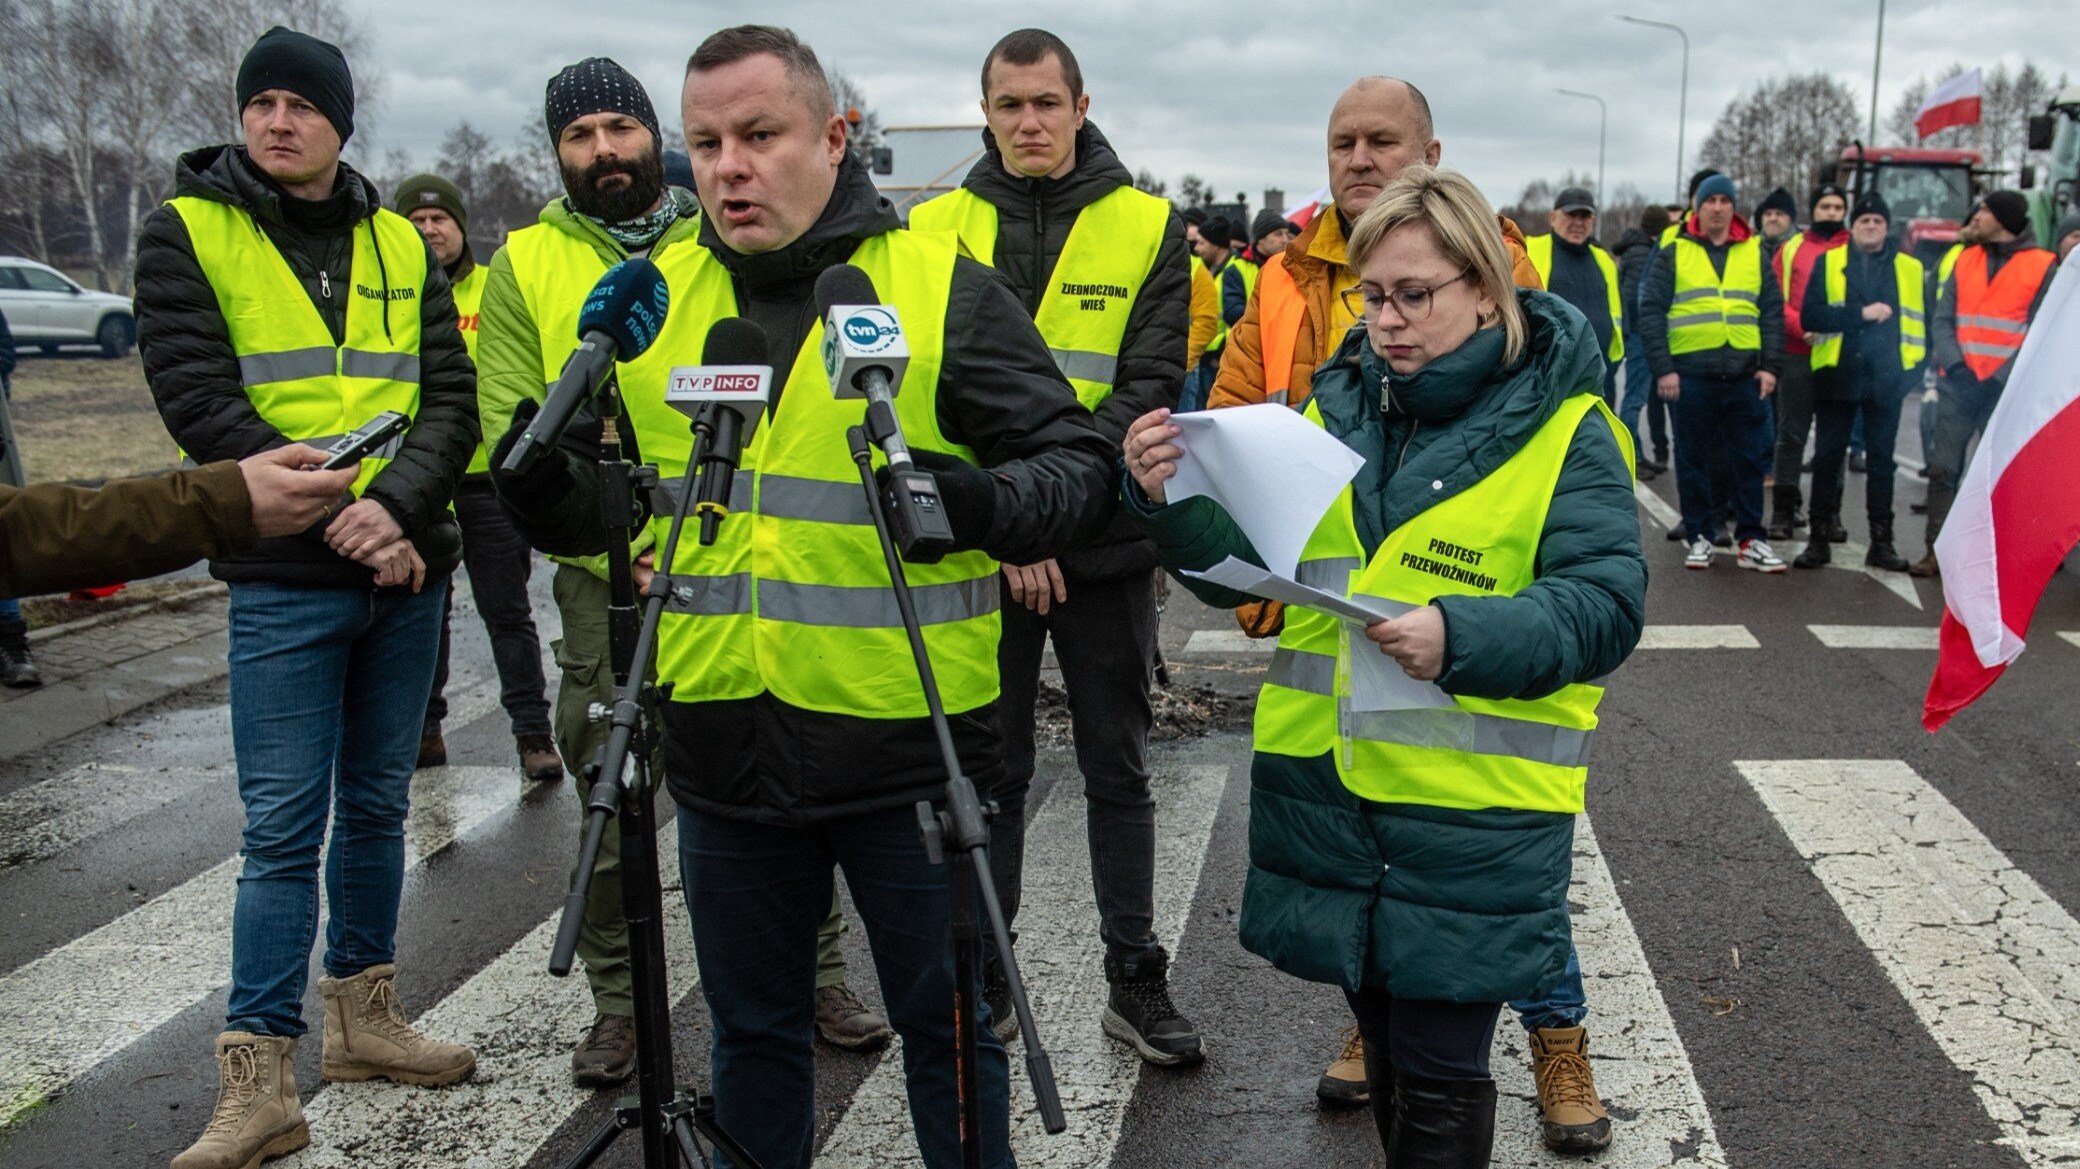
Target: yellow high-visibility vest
(1540,249)
(1913,311)
(1714,311)
(1479,753)
(303,383)
(469,295)
(1083,314)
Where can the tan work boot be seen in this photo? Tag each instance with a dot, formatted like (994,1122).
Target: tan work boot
(1344,1084)
(366,1037)
(1570,1115)
(844,1021)
(258,1115)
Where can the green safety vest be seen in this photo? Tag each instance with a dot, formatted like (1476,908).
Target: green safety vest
(469,296)
(1479,753)
(300,381)
(1710,311)
(1083,314)
(794,598)
(1913,313)
(1540,249)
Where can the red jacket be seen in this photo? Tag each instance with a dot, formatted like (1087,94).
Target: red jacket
(1811,247)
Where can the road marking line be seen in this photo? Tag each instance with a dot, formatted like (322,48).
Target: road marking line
(1061,958)
(1848,557)
(2070,638)
(1642,1068)
(1876,636)
(1988,961)
(1228,641)
(521,1022)
(64,1013)
(1697,637)
(1663,512)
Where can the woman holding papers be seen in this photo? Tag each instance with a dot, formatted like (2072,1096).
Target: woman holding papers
(1416,851)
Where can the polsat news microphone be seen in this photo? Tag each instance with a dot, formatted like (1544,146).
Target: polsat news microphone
(622,317)
(725,396)
(865,355)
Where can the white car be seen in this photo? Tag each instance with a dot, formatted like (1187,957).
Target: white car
(45,308)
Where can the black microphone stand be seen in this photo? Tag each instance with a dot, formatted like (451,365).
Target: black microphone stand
(667,1113)
(959,831)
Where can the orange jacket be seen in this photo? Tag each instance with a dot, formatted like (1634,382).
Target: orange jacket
(1206,314)
(1318,261)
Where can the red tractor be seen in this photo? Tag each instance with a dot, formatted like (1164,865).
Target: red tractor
(1930,191)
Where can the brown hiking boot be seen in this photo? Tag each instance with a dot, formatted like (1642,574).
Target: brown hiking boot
(607,1054)
(1344,1084)
(844,1021)
(1571,1116)
(538,759)
(366,1037)
(1926,566)
(258,1115)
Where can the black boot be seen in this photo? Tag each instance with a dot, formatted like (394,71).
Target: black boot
(1783,510)
(1379,1074)
(1883,554)
(1835,531)
(17,668)
(1140,1012)
(1442,1124)
(1819,550)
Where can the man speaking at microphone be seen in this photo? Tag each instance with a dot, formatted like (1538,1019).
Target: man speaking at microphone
(796,736)
(615,205)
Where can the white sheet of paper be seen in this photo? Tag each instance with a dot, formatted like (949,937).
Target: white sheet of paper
(1274,472)
(1242,576)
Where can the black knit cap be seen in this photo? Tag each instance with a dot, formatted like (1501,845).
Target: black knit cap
(2009,209)
(596,85)
(1823,191)
(1871,203)
(305,66)
(1778,199)
(429,190)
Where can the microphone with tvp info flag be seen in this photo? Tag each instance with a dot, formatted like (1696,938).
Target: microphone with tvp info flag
(622,316)
(865,354)
(726,394)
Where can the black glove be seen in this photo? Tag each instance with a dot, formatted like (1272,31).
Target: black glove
(968,491)
(540,483)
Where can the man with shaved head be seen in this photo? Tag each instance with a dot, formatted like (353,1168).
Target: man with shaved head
(1295,318)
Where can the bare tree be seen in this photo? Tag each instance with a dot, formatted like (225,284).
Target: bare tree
(1193,191)
(1145,180)
(1779,135)
(850,98)
(2009,99)
(465,152)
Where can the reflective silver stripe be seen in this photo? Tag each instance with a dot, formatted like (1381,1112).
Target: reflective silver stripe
(396,367)
(664,498)
(1479,734)
(1277,397)
(792,498)
(874,606)
(1332,573)
(1738,294)
(286,365)
(1980,349)
(1997,324)
(1912,314)
(1296,669)
(710,596)
(387,451)
(1693,294)
(1085,365)
(1702,319)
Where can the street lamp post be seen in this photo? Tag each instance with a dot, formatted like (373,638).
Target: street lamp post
(1603,121)
(1877,60)
(1683,97)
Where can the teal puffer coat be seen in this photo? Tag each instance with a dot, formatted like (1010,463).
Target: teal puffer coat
(1434,903)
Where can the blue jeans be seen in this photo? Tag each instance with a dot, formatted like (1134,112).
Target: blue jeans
(327,690)
(1566,1006)
(1638,394)
(10,609)
(1722,454)
(757,894)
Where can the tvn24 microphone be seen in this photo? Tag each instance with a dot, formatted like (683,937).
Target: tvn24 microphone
(865,355)
(727,393)
(622,316)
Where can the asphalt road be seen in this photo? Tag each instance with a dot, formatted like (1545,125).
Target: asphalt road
(1814,934)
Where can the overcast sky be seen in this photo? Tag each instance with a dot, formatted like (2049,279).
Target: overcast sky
(1205,87)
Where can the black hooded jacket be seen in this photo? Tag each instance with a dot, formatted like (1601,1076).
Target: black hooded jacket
(1000,395)
(194,377)
(1034,217)
(1632,251)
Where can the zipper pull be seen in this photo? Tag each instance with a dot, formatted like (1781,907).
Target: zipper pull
(324,284)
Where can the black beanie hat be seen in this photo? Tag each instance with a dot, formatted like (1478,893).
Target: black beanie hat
(2009,208)
(596,85)
(1778,200)
(1217,231)
(1823,191)
(421,191)
(1872,203)
(305,66)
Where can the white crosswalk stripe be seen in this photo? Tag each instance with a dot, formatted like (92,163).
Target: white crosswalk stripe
(1697,637)
(1988,961)
(1875,636)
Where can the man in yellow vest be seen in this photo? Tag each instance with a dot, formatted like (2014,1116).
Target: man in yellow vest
(498,558)
(1101,267)
(1714,332)
(1575,268)
(1269,234)
(279,303)
(795,735)
(616,204)
(1215,250)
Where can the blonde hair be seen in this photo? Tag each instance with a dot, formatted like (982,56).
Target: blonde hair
(1464,225)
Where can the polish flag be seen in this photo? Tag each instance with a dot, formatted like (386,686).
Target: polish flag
(2017,512)
(1954,103)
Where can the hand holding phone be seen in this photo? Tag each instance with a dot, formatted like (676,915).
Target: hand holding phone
(366,440)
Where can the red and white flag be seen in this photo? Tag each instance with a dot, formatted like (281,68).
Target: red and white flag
(2018,509)
(1953,103)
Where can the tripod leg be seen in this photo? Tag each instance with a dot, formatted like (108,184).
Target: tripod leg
(690,1150)
(600,1142)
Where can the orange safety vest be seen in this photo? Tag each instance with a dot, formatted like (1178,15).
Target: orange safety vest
(1993,316)
(1280,308)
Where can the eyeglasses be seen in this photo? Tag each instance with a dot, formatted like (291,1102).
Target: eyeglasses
(1412,303)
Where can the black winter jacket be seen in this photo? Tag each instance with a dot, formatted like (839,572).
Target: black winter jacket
(1869,363)
(1632,252)
(1034,217)
(1723,363)
(999,395)
(194,376)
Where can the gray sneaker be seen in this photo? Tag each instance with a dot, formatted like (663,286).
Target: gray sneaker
(844,1021)
(1700,554)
